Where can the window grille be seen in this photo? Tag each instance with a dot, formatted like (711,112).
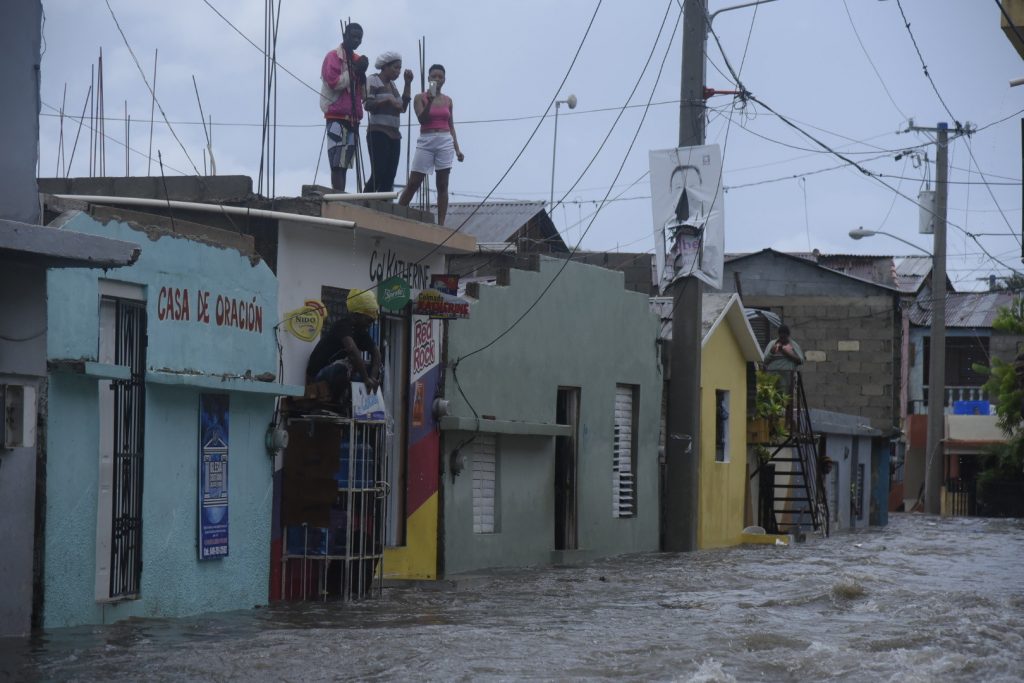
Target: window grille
(485,476)
(129,440)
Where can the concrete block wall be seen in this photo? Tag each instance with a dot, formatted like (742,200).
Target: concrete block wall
(851,345)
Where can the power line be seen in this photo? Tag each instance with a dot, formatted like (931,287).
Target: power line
(611,129)
(867,55)
(148,87)
(83,120)
(924,67)
(622,165)
(959,127)
(261,51)
(526,144)
(877,178)
(840,156)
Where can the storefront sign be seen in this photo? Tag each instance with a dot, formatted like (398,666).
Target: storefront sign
(213,476)
(387,264)
(176,304)
(305,323)
(393,294)
(446,284)
(437,305)
(426,346)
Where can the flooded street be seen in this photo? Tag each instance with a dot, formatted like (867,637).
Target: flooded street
(924,599)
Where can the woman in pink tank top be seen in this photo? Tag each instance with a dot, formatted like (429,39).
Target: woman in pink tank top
(437,147)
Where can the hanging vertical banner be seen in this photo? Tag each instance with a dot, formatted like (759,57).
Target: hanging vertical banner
(213,476)
(689,218)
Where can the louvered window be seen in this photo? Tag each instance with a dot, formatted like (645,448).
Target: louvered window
(624,452)
(485,484)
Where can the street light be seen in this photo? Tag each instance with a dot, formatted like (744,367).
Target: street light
(858,233)
(933,466)
(571,101)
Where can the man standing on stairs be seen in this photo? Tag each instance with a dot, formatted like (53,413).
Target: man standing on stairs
(783,356)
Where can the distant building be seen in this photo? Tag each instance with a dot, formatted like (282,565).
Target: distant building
(849,328)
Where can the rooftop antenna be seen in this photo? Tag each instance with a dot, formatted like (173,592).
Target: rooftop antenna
(206,131)
(60,140)
(92,117)
(81,121)
(101,131)
(425,187)
(152,107)
(127,140)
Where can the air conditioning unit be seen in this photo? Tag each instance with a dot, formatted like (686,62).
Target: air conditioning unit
(18,408)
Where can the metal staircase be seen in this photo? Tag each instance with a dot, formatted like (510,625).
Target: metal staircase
(792,486)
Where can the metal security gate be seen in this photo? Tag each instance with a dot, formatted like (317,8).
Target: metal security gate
(129,437)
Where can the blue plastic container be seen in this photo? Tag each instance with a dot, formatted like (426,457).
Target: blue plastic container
(971,408)
(306,540)
(364,475)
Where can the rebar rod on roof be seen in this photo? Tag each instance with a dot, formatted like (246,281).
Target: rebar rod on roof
(152,109)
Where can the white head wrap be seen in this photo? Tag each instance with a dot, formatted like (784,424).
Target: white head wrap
(387,58)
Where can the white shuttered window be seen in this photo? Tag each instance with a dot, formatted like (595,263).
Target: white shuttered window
(624,452)
(485,480)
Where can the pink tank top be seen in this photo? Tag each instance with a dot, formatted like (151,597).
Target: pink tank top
(437,119)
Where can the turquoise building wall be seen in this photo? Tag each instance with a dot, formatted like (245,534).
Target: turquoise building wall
(185,357)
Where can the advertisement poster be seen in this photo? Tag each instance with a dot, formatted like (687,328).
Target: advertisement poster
(213,476)
(688,208)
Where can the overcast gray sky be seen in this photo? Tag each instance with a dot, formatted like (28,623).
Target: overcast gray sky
(505,60)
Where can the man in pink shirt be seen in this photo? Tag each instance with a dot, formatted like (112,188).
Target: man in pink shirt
(343,75)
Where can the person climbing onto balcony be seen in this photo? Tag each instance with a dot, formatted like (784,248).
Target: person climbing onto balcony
(783,356)
(437,146)
(343,75)
(337,358)
(383,132)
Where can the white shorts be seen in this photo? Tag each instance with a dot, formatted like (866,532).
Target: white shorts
(434,152)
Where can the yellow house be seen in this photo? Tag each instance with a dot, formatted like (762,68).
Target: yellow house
(728,346)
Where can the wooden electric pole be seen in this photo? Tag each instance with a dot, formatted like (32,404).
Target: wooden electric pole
(682,443)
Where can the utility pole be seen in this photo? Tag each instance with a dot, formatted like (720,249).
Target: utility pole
(682,445)
(934,461)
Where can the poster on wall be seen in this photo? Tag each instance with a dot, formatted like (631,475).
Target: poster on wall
(213,476)
(688,208)
(306,322)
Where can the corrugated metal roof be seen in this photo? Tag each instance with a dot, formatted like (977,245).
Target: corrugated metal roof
(879,279)
(963,309)
(911,272)
(492,221)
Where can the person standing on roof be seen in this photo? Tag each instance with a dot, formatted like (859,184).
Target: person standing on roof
(383,133)
(343,75)
(338,357)
(437,146)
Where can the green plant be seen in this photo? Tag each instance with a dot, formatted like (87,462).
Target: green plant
(770,404)
(1003,462)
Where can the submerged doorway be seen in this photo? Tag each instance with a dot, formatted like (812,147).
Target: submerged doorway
(567,411)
